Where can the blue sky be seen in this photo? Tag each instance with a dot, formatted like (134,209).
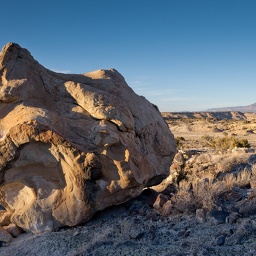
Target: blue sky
(182,55)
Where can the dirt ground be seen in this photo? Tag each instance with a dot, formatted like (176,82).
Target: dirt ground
(130,229)
(192,129)
(136,228)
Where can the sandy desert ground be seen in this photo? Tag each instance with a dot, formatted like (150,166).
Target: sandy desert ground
(192,126)
(206,206)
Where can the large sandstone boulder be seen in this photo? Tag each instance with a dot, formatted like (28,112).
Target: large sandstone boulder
(71,145)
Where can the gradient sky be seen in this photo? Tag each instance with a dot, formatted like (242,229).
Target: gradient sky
(182,55)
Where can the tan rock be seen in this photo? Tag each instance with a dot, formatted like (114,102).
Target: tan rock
(167,208)
(5,236)
(13,229)
(160,201)
(71,145)
(5,217)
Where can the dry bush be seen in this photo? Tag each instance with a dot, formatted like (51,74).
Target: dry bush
(202,193)
(244,177)
(224,143)
(253,170)
(202,187)
(230,181)
(218,188)
(228,162)
(179,142)
(198,194)
(183,202)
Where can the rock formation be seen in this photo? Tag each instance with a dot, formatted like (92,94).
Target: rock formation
(72,145)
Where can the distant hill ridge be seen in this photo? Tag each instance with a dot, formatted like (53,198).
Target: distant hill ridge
(220,115)
(245,109)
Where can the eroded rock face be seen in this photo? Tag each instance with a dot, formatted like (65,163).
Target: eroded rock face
(71,145)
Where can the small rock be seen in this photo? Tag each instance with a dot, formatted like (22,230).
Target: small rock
(13,229)
(5,236)
(167,208)
(170,190)
(179,158)
(3,244)
(233,240)
(160,201)
(135,233)
(217,217)
(232,218)
(200,215)
(150,196)
(220,240)
(76,233)
(247,207)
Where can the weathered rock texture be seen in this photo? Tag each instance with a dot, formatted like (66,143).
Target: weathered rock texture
(72,145)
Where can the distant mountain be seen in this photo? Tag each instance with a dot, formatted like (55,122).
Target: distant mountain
(244,109)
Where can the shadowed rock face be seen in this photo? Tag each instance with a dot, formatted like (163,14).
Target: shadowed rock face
(71,145)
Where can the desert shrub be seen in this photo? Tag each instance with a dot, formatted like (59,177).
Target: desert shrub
(224,143)
(230,162)
(225,133)
(184,202)
(243,177)
(216,129)
(253,169)
(180,142)
(198,193)
(230,181)
(205,187)
(243,143)
(208,141)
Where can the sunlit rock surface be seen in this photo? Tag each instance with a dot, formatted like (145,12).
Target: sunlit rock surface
(71,145)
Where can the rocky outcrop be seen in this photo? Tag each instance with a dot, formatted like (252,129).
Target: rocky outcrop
(72,145)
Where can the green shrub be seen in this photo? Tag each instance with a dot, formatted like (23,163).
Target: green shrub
(243,143)
(179,142)
(224,143)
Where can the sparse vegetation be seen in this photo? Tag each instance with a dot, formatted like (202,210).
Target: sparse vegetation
(216,160)
(214,126)
(203,188)
(180,142)
(224,143)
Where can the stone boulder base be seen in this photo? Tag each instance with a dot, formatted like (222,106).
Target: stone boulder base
(72,145)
